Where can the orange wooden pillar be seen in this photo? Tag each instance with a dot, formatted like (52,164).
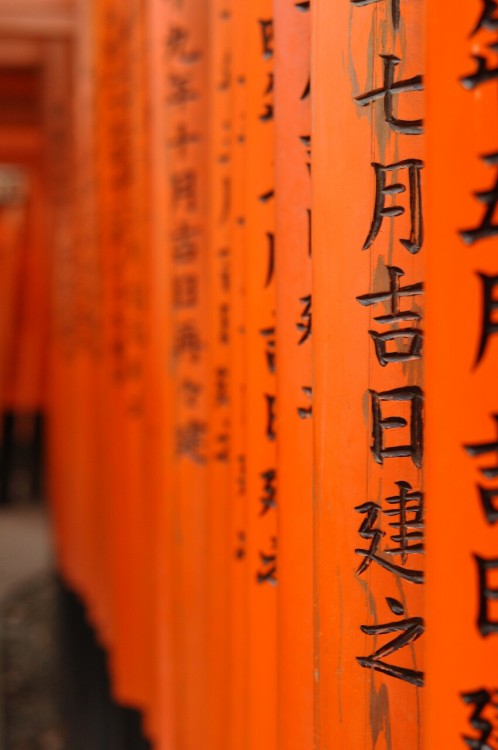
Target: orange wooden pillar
(87,312)
(26,391)
(238,570)
(159,403)
(294,375)
(219,280)
(261,404)
(121,195)
(462,361)
(186,119)
(13,230)
(368,254)
(103,541)
(148,358)
(61,443)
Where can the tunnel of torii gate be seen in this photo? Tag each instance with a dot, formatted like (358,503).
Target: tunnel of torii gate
(249,283)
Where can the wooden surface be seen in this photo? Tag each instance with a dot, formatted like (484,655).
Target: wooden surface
(293,266)
(238,595)
(187,113)
(260,394)
(220,251)
(461,374)
(369,564)
(244,235)
(159,439)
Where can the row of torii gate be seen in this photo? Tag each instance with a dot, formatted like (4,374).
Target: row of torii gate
(288,210)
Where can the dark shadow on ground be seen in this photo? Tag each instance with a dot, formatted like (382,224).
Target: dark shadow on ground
(29,668)
(54,684)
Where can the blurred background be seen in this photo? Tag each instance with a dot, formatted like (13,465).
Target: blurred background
(29,708)
(49,660)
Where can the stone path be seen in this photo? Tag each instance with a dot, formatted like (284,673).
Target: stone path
(29,719)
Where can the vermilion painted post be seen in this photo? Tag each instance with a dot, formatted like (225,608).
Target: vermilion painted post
(122,251)
(57,123)
(159,434)
(294,374)
(462,361)
(148,360)
(237,712)
(368,256)
(27,363)
(88,318)
(187,114)
(261,393)
(219,279)
(13,229)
